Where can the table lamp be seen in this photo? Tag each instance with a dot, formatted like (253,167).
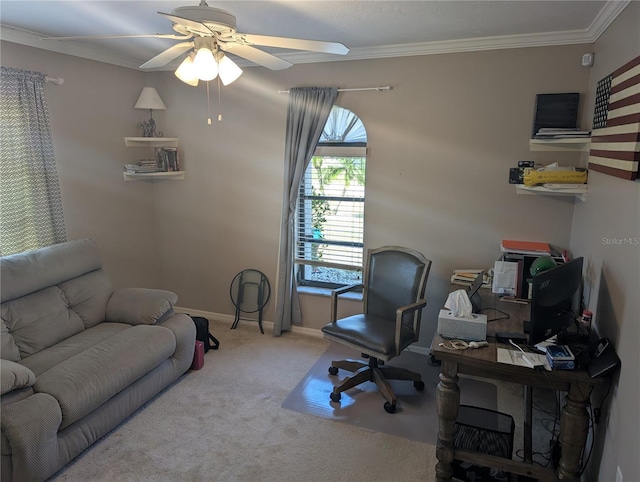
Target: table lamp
(149,99)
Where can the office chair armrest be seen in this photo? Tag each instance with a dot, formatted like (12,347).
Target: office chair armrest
(346,289)
(334,298)
(400,313)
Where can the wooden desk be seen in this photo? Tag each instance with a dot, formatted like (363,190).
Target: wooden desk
(574,419)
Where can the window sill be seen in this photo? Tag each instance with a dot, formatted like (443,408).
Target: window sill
(316,291)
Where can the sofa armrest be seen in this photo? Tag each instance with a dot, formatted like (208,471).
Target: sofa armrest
(13,375)
(184,330)
(30,430)
(136,306)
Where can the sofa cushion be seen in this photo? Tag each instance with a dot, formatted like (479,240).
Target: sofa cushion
(85,381)
(8,348)
(31,271)
(14,375)
(43,360)
(140,306)
(88,295)
(39,320)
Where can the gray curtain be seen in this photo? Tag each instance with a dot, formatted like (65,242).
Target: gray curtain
(30,201)
(308,110)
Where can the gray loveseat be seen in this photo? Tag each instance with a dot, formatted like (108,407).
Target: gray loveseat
(78,357)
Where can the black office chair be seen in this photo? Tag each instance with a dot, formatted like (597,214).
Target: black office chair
(393,297)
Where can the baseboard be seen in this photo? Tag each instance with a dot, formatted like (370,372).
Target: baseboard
(267,325)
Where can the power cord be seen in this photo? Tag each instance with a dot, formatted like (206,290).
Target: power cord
(463,345)
(527,360)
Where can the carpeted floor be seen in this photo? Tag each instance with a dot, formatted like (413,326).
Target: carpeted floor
(225,422)
(362,406)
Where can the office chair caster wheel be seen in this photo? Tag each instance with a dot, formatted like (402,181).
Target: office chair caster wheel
(419,385)
(333,370)
(390,407)
(335,397)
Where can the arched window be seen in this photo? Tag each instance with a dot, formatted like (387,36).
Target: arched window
(330,226)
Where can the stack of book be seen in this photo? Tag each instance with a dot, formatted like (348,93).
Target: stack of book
(464,277)
(168,159)
(143,166)
(531,248)
(560,133)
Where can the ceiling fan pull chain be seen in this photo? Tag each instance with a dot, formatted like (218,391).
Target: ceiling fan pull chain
(208,106)
(219,102)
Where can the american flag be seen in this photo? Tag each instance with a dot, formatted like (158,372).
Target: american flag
(615,138)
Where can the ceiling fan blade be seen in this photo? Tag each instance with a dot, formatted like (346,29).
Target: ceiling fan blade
(296,44)
(163,58)
(193,26)
(150,35)
(257,56)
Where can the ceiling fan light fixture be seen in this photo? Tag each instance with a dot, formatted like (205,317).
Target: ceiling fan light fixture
(228,69)
(206,67)
(186,72)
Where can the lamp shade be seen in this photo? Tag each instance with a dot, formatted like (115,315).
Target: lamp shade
(149,99)
(205,65)
(186,72)
(229,70)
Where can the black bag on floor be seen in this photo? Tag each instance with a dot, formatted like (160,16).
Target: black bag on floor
(203,335)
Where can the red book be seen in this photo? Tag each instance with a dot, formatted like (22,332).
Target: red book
(535,247)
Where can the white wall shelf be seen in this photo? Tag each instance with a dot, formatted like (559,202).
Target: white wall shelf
(575,144)
(580,193)
(154,176)
(151,141)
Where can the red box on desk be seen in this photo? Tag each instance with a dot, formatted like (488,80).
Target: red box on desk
(198,356)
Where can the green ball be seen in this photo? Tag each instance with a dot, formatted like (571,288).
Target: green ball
(543,263)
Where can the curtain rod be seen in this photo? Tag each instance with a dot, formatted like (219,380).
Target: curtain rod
(54,80)
(386,87)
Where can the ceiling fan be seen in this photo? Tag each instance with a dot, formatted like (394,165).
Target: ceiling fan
(214,29)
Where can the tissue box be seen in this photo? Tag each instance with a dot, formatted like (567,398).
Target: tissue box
(466,329)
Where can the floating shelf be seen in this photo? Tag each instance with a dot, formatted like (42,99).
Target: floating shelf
(154,176)
(580,193)
(575,144)
(151,141)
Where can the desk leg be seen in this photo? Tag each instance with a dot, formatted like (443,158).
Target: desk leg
(574,427)
(448,401)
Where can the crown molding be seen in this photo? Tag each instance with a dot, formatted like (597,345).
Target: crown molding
(608,14)
(33,39)
(605,17)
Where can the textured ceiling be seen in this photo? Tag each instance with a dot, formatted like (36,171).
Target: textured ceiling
(371,29)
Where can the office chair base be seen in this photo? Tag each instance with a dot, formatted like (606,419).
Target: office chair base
(372,372)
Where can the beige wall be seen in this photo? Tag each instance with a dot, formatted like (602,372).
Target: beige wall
(612,211)
(439,148)
(90,115)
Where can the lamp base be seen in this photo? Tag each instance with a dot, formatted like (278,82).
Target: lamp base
(149,129)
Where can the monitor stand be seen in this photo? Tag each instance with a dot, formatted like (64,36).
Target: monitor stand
(476,303)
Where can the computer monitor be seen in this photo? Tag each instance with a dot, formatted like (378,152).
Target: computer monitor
(473,294)
(559,111)
(555,300)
